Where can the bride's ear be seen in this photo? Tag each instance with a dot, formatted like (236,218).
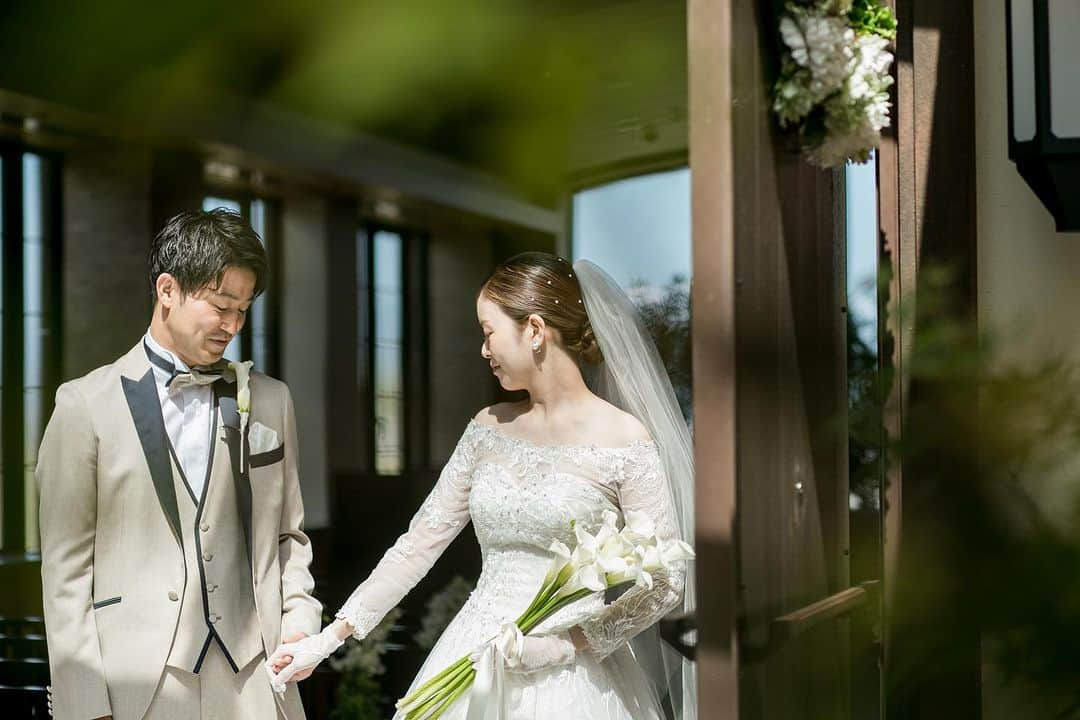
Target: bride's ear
(535,328)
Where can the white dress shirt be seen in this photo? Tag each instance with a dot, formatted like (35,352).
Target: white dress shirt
(187,414)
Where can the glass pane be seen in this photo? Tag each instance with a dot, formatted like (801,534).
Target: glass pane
(257,318)
(33,417)
(1064,63)
(862,247)
(32,199)
(34,280)
(1023,68)
(388,301)
(363,295)
(212,203)
(638,231)
(865,428)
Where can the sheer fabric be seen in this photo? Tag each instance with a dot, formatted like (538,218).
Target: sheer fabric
(632,377)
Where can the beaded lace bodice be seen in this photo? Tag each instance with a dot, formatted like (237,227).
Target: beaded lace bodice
(521,496)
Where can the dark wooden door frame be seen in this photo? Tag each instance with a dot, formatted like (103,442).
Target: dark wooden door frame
(927,212)
(768,279)
(927,218)
(713,328)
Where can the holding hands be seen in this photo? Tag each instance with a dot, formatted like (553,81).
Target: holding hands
(296,658)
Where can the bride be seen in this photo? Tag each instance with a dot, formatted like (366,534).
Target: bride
(521,473)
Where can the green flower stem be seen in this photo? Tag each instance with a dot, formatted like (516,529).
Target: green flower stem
(539,600)
(434,697)
(454,692)
(424,709)
(552,606)
(433,685)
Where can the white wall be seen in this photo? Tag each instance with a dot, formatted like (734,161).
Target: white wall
(304,337)
(1027,272)
(1029,289)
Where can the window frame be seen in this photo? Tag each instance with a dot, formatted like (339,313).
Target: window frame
(13,451)
(415,452)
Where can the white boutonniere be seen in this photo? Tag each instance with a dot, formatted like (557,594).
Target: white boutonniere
(243,400)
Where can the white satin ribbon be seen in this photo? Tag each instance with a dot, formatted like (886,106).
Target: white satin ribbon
(487,700)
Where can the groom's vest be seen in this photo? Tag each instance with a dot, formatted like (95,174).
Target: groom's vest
(218,604)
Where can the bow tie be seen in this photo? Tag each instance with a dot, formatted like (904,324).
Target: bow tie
(195,377)
(179,379)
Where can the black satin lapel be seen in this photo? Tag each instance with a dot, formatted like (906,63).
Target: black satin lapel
(230,415)
(230,418)
(145,407)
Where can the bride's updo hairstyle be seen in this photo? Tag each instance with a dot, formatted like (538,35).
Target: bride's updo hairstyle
(543,284)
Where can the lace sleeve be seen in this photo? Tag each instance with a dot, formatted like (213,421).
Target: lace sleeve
(642,487)
(438,521)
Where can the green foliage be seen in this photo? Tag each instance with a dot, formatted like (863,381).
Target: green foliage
(357,697)
(991,500)
(870,17)
(667,317)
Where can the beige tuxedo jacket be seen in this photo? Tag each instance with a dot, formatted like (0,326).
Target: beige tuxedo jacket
(112,562)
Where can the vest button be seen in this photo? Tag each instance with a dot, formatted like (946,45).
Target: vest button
(204,527)
(173,595)
(211,588)
(208,556)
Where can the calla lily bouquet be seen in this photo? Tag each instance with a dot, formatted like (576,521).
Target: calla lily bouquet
(607,559)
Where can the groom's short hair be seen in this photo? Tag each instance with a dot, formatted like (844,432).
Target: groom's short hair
(196,248)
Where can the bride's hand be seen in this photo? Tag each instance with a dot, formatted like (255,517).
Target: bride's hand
(294,661)
(530,653)
(542,652)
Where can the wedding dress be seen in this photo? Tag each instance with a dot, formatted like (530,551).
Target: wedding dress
(521,496)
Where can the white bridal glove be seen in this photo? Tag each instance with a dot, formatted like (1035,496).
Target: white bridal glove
(306,654)
(529,653)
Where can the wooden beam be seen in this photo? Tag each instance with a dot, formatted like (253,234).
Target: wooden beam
(713,297)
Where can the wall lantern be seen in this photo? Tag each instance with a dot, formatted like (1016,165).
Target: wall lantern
(1044,102)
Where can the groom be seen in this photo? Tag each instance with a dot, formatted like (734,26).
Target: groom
(173,560)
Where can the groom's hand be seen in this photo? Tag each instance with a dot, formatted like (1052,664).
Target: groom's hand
(285,660)
(295,660)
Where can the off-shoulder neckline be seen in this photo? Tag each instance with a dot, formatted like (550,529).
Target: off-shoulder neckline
(632,445)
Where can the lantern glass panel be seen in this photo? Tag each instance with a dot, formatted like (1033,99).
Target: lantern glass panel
(1064,19)
(1023,69)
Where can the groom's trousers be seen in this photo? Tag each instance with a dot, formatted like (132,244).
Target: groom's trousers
(216,693)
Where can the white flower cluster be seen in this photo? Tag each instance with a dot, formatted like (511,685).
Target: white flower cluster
(613,556)
(834,86)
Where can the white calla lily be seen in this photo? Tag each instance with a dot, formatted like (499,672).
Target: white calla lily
(242,369)
(560,560)
(675,550)
(639,526)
